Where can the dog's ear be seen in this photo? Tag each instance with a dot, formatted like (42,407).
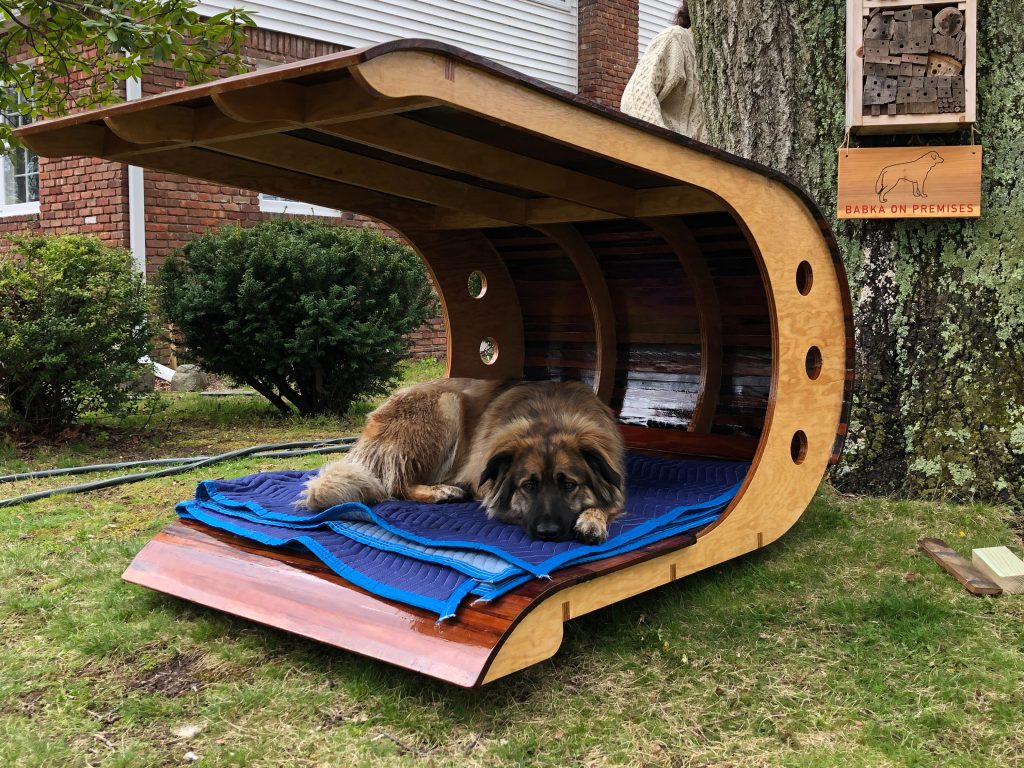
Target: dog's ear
(496,468)
(597,462)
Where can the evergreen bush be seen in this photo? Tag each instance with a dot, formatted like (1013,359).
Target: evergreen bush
(308,314)
(73,325)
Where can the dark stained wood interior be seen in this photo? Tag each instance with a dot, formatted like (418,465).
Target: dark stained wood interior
(658,367)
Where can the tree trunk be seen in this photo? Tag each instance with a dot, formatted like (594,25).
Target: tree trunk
(939,304)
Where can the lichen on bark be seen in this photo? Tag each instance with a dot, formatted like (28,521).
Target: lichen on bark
(939,304)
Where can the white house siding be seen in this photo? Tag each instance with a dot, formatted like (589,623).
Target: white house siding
(535,37)
(655,15)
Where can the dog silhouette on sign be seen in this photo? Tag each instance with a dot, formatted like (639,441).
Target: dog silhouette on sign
(915,173)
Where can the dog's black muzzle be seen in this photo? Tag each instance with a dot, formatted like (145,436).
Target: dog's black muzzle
(550,518)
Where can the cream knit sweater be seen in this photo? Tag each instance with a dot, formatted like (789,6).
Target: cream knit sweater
(663,89)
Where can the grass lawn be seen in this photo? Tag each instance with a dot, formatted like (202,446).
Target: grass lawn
(840,645)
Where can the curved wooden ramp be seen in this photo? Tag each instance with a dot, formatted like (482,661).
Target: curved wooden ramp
(702,296)
(296,592)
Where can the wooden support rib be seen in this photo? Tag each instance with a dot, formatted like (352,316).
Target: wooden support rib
(344,100)
(675,200)
(325,162)
(210,126)
(538,213)
(85,139)
(163,124)
(277,101)
(237,172)
(709,314)
(336,101)
(256,111)
(582,256)
(417,141)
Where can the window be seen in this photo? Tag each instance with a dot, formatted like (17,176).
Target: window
(275,204)
(19,174)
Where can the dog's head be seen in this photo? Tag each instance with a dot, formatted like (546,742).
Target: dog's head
(544,481)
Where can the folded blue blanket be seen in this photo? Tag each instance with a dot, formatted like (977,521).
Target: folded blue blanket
(434,555)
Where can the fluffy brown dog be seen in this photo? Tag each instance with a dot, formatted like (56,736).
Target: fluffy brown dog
(545,455)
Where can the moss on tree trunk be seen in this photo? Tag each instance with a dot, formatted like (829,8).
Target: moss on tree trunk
(939,304)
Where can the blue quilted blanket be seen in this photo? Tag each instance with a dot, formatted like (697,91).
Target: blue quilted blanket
(436,555)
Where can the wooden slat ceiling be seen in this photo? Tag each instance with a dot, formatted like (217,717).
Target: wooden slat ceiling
(310,131)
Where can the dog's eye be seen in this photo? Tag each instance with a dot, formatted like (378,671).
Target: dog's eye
(569,485)
(529,486)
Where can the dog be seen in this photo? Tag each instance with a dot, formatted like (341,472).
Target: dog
(546,456)
(915,172)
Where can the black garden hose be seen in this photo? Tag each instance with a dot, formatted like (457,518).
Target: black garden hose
(340,445)
(90,468)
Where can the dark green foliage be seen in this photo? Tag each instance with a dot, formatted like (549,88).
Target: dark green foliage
(104,44)
(73,325)
(305,313)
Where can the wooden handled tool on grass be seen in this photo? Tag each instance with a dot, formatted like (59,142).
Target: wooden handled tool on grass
(964,572)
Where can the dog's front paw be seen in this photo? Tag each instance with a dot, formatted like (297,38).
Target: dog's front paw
(437,494)
(591,526)
(448,493)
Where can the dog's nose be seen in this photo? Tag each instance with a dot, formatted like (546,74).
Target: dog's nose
(548,530)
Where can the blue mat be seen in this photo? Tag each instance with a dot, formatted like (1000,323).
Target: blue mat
(435,555)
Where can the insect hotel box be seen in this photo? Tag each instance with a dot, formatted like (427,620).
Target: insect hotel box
(910,68)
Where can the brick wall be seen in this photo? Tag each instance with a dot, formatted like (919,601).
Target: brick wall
(76,195)
(608,39)
(429,340)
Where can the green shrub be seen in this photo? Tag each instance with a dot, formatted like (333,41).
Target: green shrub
(305,313)
(73,325)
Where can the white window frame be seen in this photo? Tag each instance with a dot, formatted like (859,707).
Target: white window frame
(28,208)
(272,204)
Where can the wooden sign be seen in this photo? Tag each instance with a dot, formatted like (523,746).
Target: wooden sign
(910,182)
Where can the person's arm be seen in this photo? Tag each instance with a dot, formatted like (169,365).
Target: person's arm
(662,69)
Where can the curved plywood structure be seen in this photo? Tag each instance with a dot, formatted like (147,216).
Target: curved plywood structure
(701,295)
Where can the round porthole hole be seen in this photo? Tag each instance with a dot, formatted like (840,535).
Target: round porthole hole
(798,447)
(804,277)
(477,284)
(813,363)
(488,351)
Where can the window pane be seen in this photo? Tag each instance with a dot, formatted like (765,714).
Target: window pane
(19,169)
(10,183)
(33,182)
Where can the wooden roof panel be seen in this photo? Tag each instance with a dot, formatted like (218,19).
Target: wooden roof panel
(320,121)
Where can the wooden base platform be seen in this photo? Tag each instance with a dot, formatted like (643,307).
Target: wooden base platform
(292,590)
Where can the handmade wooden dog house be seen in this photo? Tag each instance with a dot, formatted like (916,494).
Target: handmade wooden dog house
(702,295)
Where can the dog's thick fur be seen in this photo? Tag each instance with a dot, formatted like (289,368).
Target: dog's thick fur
(545,455)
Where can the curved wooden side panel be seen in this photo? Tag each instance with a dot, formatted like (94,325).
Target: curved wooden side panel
(531,640)
(451,258)
(804,412)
